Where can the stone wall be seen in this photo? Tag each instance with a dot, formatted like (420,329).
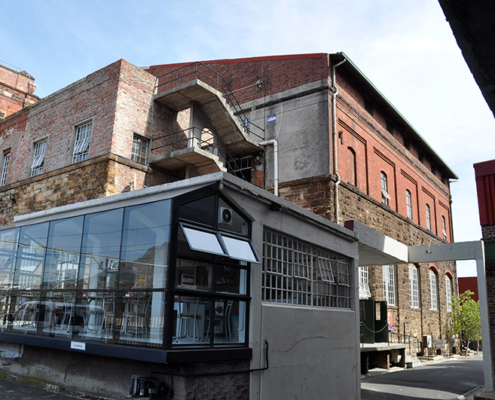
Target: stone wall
(317,195)
(91,179)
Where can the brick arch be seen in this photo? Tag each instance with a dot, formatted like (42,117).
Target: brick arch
(433,267)
(449,273)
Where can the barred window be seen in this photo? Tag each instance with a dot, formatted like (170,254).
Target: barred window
(38,165)
(5,169)
(139,150)
(81,144)
(295,272)
(241,167)
(389,284)
(414,286)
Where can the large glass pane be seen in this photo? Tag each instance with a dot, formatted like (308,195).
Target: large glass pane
(192,316)
(30,257)
(145,246)
(229,322)
(230,279)
(100,250)
(184,249)
(202,211)
(62,259)
(102,233)
(25,314)
(193,275)
(90,320)
(142,319)
(8,250)
(57,314)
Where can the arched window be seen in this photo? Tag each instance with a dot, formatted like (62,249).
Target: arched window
(444,228)
(389,284)
(448,292)
(385,195)
(352,166)
(428,218)
(409,204)
(414,286)
(433,290)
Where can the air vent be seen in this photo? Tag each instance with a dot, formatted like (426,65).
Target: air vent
(225,216)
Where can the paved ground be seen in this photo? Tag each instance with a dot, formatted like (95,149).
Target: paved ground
(447,379)
(20,391)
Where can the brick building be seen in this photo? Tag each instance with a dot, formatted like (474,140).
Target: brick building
(310,128)
(16,90)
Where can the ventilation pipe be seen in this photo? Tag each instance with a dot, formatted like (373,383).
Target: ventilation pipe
(275,162)
(335,92)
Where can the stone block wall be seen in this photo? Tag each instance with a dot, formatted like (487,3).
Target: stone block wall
(317,195)
(91,179)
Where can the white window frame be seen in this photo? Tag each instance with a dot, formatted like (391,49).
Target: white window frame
(433,290)
(428,217)
(364,287)
(414,286)
(137,149)
(444,228)
(448,292)
(389,289)
(5,167)
(38,161)
(384,186)
(83,133)
(409,204)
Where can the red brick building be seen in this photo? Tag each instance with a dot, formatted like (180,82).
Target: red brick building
(16,90)
(311,128)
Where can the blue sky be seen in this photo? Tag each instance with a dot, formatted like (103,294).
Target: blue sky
(405,48)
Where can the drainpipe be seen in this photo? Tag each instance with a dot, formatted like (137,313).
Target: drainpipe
(275,162)
(335,92)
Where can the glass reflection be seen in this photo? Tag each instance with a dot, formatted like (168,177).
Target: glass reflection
(229,321)
(30,257)
(230,279)
(62,259)
(8,249)
(193,275)
(26,314)
(145,246)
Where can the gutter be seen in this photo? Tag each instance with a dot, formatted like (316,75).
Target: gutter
(335,92)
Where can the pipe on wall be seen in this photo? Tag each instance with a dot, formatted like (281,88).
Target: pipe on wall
(335,92)
(275,162)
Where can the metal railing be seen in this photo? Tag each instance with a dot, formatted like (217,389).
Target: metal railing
(213,78)
(188,138)
(411,341)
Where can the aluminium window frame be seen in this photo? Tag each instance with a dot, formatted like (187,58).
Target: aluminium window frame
(389,285)
(433,290)
(414,287)
(409,204)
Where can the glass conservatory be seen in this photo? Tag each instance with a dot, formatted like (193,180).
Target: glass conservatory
(161,281)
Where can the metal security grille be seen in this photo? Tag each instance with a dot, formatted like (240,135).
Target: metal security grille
(433,291)
(81,145)
(241,167)
(298,273)
(5,169)
(139,150)
(38,165)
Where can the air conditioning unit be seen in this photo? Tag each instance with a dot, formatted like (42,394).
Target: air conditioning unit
(143,386)
(225,216)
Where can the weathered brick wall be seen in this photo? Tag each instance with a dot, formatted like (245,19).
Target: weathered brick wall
(317,195)
(16,90)
(378,150)
(278,73)
(99,177)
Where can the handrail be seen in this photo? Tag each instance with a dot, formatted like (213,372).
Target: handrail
(185,139)
(220,82)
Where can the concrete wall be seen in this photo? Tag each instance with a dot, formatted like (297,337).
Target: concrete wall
(301,129)
(313,352)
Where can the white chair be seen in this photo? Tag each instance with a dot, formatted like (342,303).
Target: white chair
(188,311)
